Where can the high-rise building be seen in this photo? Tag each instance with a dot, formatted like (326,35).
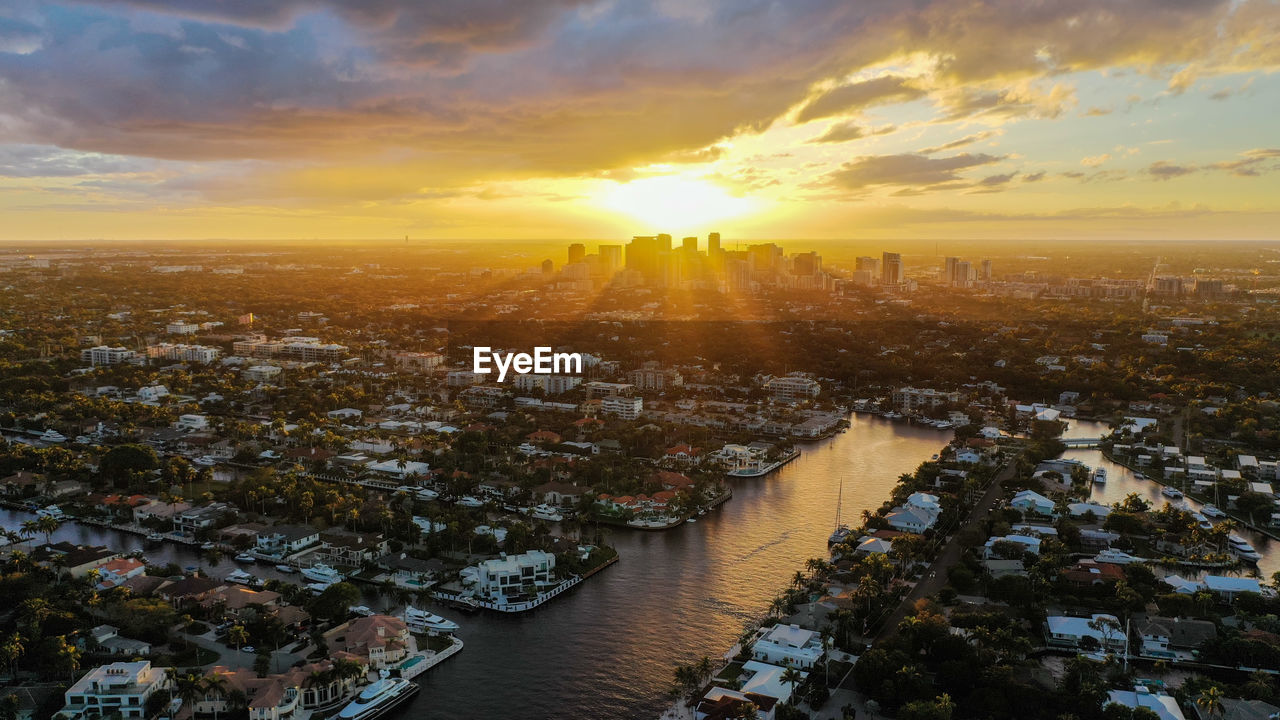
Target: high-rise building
(548,267)
(949,270)
(690,245)
(868,264)
(713,243)
(809,263)
(891,269)
(642,255)
(577,252)
(985,275)
(610,259)
(963,273)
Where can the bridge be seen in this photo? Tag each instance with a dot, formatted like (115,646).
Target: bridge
(1081,443)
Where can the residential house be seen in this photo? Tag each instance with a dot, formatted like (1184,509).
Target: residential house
(1164,706)
(1105,631)
(1170,638)
(1032,502)
(282,540)
(789,645)
(121,688)
(108,638)
(379,640)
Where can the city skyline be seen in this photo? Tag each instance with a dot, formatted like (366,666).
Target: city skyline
(147,120)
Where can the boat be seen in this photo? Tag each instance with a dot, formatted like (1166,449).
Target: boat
(471,502)
(286,568)
(322,573)
(52,436)
(426,494)
(842,531)
(423,621)
(363,610)
(691,521)
(245,558)
(209,546)
(1100,475)
(944,424)
(240,577)
(545,512)
(52,511)
(1212,511)
(155,538)
(205,461)
(1116,557)
(1243,549)
(1171,493)
(318,587)
(1202,521)
(379,699)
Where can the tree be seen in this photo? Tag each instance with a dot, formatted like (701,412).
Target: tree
(237,636)
(334,601)
(792,677)
(1210,700)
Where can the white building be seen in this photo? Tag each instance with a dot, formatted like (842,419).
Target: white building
(789,645)
(119,688)
(192,421)
(626,408)
(261,373)
(1030,501)
(909,398)
(793,388)
(1105,630)
(103,355)
(182,328)
(1164,706)
(184,353)
(393,468)
(152,393)
(508,576)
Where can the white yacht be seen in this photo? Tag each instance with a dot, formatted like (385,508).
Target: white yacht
(1202,521)
(839,535)
(322,573)
(379,699)
(52,511)
(1100,475)
(205,461)
(426,494)
(286,568)
(245,558)
(52,436)
(362,610)
(423,621)
(471,502)
(240,577)
(1242,548)
(1212,511)
(545,512)
(1117,557)
(1171,493)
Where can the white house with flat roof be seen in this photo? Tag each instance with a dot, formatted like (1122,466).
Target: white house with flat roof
(508,576)
(119,688)
(1164,706)
(1105,630)
(789,645)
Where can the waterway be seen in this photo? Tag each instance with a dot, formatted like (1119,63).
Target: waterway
(608,648)
(1121,482)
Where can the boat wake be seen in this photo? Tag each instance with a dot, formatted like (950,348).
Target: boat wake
(756,551)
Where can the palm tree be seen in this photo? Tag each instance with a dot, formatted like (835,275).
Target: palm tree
(215,685)
(11,650)
(792,677)
(188,687)
(1210,701)
(47,525)
(238,635)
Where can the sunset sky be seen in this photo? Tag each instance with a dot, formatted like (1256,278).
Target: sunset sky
(161,119)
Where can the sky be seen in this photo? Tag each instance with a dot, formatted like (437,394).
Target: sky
(831,119)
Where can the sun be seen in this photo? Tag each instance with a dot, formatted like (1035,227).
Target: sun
(674,202)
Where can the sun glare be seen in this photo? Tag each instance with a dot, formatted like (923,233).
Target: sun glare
(674,202)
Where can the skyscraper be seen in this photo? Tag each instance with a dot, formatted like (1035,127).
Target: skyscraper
(577,252)
(690,245)
(891,269)
(713,243)
(610,259)
(985,275)
(949,270)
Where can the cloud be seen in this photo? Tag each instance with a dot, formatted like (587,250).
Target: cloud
(917,173)
(962,142)
(1250,163)
(847,99)
(841,132)
(1095,160)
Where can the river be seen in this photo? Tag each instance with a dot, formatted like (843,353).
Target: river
(1121,482)
(607,649)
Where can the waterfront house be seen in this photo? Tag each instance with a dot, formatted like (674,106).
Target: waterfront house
(559,494)
(1239,709)
(765,679)
(1088,573)
(789,645)
(1104,631)
(869,545)
(993,546)
(282,540)
(113,572)
(352,549)
(121,689)
(277,697)
(509,576)
(240,602)
(1164,706)
(909,519)
(75,560)
(378,640)
(723,704)
(191,589)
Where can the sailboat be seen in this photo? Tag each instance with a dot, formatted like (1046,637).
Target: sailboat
(842,531)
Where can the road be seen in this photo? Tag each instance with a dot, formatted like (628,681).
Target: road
(935,578)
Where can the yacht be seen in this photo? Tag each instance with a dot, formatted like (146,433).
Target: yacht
(205,461)
(208,546)
(546,512)
(426,494)
(1100,475)
(1116,557)
(155,538)
(245,558)
(52,436)
(318,587)
(691,520)
(1242,548)
(1202,521)
(240,577)
(52,511)
(1212,511)
(423,621)
(839,535)
(322,573)
(1171,493)
(468,501)
(362,610)
(286,568)
(379,699)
